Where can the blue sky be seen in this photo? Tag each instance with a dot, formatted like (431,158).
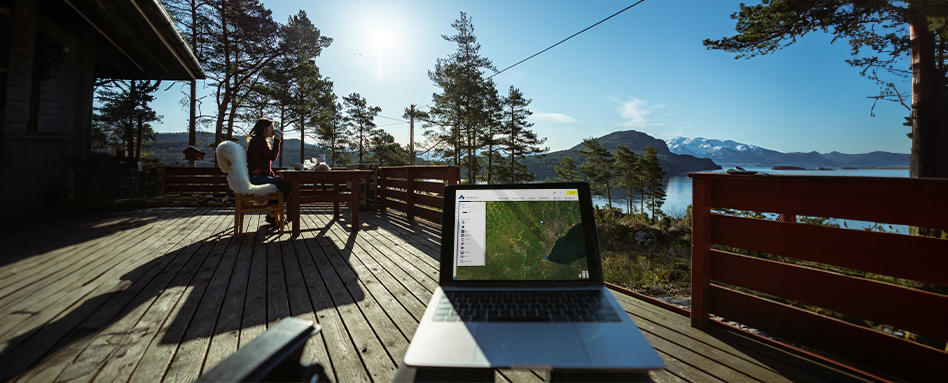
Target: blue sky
(644,69)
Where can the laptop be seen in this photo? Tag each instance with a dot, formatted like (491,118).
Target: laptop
(521,286)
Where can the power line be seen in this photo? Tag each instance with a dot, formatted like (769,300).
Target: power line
(554,45)
(564,40)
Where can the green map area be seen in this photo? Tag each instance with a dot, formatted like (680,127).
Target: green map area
(531,240)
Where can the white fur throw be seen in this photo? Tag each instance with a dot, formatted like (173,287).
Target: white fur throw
(232,160)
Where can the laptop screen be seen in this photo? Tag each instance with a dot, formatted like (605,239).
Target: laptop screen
(519,234)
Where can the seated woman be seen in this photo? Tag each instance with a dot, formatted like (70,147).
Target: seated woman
(260,157)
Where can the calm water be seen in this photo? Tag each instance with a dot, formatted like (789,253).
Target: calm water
(678,189)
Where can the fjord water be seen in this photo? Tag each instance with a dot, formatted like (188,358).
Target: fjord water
(678,189)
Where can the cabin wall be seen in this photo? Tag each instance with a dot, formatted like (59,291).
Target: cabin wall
(46,110)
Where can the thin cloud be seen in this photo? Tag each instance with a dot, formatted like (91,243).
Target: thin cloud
(555,118)
(637,113)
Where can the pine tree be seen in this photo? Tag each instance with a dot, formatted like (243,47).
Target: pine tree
(361,119)
(520,141)
(567,170)
(464,91)
(332,132)
(627,165)
(652,176)
(598,168)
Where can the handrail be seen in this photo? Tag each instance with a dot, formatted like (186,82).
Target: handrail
(194,180)
(796,267)
(416,190)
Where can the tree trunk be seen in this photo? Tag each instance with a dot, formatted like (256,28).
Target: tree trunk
(192,125)
(929,158)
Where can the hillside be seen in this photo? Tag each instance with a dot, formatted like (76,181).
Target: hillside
(169,146)
(731,153)
(672,163)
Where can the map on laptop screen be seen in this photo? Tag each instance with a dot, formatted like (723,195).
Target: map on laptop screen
(519,234)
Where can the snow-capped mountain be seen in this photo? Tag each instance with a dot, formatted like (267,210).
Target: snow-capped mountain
(716,150)
(732,153)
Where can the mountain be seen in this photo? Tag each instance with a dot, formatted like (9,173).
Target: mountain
(167,148)
(731,153)
(671,162)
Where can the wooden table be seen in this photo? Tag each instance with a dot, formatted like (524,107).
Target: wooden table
(324,186)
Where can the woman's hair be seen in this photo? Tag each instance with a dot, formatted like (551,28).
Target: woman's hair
(259,128)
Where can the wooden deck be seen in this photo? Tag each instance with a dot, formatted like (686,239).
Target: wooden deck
(165,294)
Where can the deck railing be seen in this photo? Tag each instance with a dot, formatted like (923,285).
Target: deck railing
(191,180)
(809,266)
(416,190)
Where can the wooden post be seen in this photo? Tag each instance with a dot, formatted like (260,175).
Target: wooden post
(454,174)
(700,252)
(381,192)
(410,192)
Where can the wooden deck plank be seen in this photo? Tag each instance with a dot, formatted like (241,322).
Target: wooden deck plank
(77,320)
(358,317)
(135,330)
(392,323)
(37,269)
(27,304)
(344,351)
(169,313)
(176,292)
(90,317)
(131,333)
(203,323)
(226,336)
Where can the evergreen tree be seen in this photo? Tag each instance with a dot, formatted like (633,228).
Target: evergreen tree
(244,40)
(192,18)
(361,119)
(332,132)
(520,141)
(122,123)
(567,170)
(627,166)
(891,31)
(385,151)
(652,176)
(598,168)
(464,91)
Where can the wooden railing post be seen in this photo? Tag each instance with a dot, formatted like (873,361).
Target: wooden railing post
(410,190)
(700,252)
(381,192)
(454,174)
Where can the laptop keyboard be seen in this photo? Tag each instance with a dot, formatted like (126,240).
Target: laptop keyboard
(525,306)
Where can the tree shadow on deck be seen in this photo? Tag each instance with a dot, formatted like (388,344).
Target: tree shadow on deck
(215,285)
(424,235)
(24,241)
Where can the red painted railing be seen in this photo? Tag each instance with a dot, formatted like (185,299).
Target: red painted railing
(723,281)
(191,180)
(416,190)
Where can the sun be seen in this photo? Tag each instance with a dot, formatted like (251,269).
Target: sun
(381,37)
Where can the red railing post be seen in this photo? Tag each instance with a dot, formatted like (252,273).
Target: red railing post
(700,252)
(381,192)
(454,174)
(410,192)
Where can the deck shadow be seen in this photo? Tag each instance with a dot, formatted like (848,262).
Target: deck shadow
(218,284)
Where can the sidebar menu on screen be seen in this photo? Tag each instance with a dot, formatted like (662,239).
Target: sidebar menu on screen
(471,234)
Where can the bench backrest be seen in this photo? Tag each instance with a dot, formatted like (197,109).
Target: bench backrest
(858,279)
(203,180)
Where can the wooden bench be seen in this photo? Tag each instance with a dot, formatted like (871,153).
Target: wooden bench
(416,190)
(189,180)
(860,277)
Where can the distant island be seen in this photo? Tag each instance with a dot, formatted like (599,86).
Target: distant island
(731,153)
(545,166)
